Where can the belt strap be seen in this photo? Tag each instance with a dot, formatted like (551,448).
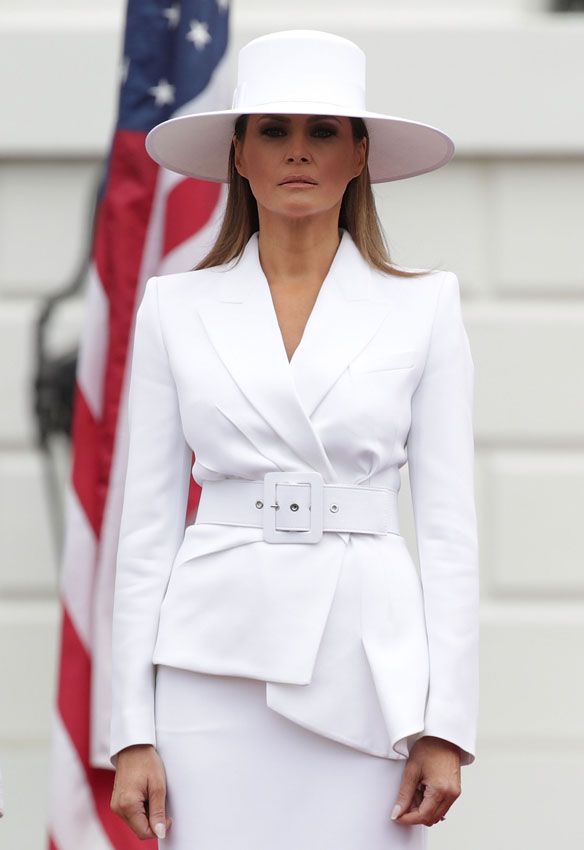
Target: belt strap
(298,506)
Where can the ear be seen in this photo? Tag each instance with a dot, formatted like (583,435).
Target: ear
(361,155)
(237,157)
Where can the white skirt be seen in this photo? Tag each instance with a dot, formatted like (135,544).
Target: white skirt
(239,775)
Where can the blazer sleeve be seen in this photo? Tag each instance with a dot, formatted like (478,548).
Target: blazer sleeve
(151,526)
(440,452)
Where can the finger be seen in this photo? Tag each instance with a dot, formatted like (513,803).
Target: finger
(157,809)
(417,798)
(426,811)
(135,816)
(407,790)
(441,811)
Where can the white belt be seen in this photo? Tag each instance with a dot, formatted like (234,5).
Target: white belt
(298,506)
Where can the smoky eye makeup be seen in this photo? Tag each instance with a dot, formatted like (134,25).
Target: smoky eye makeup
(266,128)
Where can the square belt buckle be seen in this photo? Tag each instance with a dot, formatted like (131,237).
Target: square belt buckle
(282,535)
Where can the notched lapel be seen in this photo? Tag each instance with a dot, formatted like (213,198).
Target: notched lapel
(242,325)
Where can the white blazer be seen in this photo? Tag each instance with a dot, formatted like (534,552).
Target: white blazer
(383,374)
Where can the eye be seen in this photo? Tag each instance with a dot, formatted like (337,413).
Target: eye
(329,130)
(267,131)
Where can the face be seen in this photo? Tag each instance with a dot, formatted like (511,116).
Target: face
(278,146)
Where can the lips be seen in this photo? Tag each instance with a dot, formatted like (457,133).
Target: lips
(298,179)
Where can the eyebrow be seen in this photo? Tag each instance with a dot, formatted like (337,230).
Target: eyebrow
(312,118)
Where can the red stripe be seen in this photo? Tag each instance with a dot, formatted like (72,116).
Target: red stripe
(124,213)
(189,206)
(74,682)
(85,433)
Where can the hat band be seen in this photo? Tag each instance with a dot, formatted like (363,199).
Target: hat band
(314,89)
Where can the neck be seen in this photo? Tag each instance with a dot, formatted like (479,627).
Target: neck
(298,251)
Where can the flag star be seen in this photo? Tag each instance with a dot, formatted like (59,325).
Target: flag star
(125,69)
(223,4)
(199,34)
(163,93)
(172,14)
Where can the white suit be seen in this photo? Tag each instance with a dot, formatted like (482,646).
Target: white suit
(384,365)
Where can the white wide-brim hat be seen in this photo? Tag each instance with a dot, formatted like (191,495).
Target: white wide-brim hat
(305,72)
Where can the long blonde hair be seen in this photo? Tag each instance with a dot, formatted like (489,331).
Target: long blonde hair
(358,214)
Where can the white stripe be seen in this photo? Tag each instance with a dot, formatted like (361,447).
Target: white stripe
(94,338)
(73,820)
(78,567)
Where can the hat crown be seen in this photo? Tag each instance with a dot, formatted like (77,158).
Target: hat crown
(277,70)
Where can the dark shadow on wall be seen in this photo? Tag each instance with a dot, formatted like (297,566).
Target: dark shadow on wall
(567,5)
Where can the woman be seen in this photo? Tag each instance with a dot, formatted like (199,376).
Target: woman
(266,693)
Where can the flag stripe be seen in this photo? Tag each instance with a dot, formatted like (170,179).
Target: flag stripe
(85,433)
(123,217)
(189,207)
(73,694)
(74,796)
(79,558)
(94,333)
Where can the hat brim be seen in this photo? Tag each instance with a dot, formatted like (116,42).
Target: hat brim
(197,145)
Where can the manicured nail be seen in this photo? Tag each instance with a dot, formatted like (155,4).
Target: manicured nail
(396,811)
(160,830)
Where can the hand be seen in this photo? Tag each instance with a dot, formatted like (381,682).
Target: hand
(430,782)
(139,793)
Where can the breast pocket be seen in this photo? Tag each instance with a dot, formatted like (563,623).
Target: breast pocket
(378,361)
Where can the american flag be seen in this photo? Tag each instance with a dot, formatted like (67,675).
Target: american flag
(149,221)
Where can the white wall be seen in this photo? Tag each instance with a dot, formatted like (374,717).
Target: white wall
(505,79)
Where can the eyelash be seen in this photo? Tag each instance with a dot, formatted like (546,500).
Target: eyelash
(265,131)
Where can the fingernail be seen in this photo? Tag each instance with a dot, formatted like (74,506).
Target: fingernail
(396,810)
(160,830)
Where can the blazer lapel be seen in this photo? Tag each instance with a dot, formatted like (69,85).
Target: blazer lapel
(347,314)
(242,325)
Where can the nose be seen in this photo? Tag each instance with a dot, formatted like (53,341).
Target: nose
(297,151)
(301,157)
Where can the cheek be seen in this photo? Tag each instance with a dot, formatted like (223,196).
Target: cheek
(336,170)
(257,169)
(260,162)
(260,183)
